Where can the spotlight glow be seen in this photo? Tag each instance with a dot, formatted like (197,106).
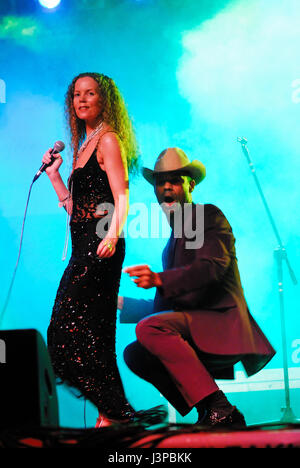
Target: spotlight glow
(49,3)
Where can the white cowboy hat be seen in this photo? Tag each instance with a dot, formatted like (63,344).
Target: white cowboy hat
(173,160)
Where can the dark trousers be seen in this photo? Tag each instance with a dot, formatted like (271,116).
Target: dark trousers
(165,355)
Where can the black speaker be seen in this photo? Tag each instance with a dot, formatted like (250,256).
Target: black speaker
(27,384)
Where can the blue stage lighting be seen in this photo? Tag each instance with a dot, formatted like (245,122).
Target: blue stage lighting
(49,3)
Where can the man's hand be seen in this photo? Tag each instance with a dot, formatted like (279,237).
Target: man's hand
(145,278)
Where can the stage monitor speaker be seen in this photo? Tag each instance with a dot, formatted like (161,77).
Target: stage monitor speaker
(27,384)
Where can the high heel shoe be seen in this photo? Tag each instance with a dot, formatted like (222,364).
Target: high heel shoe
(150,417)
(103,421)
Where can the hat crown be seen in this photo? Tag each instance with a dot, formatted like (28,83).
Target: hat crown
(171,159)
(174,159)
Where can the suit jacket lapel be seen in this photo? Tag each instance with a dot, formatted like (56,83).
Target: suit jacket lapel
(169,252)
(168,255)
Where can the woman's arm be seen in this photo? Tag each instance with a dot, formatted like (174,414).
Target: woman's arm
(115,165)
(61,190)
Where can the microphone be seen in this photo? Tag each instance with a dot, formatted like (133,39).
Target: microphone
(58,147)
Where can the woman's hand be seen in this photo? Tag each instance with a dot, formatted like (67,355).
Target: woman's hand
(107,247)
(120,302)
(47,158)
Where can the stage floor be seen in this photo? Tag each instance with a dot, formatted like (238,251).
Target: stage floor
(165,437)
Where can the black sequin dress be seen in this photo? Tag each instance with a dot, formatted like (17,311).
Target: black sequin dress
(81,333)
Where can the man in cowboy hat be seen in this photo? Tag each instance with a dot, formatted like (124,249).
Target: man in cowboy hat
(199,324)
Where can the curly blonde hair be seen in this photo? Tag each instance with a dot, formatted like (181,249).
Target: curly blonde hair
(115,114)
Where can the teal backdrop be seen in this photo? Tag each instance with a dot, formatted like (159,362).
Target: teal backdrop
(197,75)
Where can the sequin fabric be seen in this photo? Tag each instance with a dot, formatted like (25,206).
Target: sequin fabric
(81,333)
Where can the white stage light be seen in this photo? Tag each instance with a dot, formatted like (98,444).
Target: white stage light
(49,3)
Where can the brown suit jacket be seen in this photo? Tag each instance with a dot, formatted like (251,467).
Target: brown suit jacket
(205,284)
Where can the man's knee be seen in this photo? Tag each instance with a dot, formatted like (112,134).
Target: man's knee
(131,356)
(138,359)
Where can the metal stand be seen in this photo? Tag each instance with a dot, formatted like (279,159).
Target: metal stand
(280,257)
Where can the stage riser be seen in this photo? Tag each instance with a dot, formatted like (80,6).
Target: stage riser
(247,439)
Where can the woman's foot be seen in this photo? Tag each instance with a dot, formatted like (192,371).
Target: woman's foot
(104,421)
(152,416)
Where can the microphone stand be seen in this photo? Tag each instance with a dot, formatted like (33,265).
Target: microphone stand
(280,257)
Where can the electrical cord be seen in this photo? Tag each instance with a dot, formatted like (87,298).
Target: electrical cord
(17,263)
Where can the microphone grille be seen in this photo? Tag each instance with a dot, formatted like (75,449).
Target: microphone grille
(58,146)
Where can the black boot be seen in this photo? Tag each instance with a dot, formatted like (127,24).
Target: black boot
(216,412)
(215,420)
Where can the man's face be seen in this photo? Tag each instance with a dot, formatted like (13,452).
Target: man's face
(173,188)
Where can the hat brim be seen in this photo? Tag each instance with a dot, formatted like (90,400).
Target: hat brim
(195,169)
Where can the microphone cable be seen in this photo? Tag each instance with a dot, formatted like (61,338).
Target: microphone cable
(17,263)
(58,147)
